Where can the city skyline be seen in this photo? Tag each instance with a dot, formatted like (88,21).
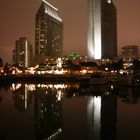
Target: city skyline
(19,20)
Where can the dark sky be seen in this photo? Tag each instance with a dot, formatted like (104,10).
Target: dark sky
(17,19)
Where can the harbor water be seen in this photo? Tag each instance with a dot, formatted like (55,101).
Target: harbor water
(45,111)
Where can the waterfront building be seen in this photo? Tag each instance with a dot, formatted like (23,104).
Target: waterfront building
(102,29)
(48,32)
(23,52)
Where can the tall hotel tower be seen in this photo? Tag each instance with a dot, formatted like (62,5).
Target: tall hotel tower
(48,32)
(102,29)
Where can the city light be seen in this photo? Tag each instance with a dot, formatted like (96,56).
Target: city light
(59,95)
(97,116)
(15,86)
(52,11)
(55,134)
(59,62)
(50,5)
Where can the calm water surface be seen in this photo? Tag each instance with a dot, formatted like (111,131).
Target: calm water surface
(69,112)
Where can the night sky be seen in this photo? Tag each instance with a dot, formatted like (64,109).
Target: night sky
(17,19)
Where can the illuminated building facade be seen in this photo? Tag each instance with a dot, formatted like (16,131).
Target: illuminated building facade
(48,32)
(23,52)
(102,29)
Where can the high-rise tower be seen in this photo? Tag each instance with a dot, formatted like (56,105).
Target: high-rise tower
(23,52)
(102,29)
(48,32)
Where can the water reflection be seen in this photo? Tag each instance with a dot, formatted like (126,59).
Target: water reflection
(22,96)
(48,112)
(48,108)
(102,117)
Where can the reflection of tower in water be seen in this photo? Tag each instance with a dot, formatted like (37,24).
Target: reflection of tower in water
(102,117)
(48,113)
(22,96)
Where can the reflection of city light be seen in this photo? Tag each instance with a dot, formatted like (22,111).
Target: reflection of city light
(59,71)
(31,87)
(112,87)
(15,86)
(107,93)
(97,101)
(42,86)
(26,95)
(55,134)
(22,97)
(59,95)
(97,116)
(61,86)
(56,86)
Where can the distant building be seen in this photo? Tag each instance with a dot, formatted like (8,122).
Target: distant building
(129,54)
(23,52)
(102,29)
(130,50)
(48,32)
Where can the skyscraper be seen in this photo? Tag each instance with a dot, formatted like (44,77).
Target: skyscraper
(102,29)
(48,32)
(23,52)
